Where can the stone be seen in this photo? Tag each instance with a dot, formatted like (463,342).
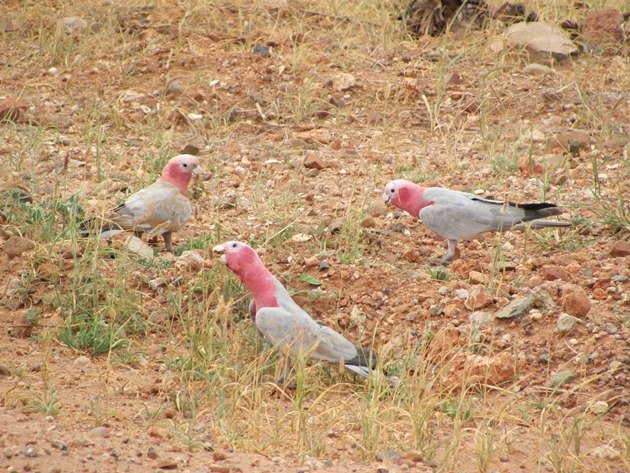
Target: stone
(388,455)
(414,456)
(73,24)
(603,27)
(566,323)
(12,110)
(551,273)
(316,135)
(261,50)
(604,451)
(599,407)
(536,69)
(516,308)
(461,293)
(174,88)
(137,246)
(529,167)
(560,378)
(575,301)
(16,245)
(59,445)
(377,208)
(368,222)
(313,162)
(189,260)
(569,141)
(167,464)
(478,298)
(82,361)
(620,248)
(477,278)
(479,318)
(343,81)
(541,40)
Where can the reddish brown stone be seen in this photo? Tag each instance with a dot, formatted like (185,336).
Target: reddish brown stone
(575,301)
(603,26)
(551,273)
(620,248)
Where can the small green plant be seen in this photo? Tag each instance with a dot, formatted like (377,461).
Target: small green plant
(94,335)
(47,403)
(438,273)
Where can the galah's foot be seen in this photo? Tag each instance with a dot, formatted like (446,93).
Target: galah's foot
(168,241)
(445,261)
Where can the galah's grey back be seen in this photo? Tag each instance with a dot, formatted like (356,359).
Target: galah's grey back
(289,326)
(460,215)
(156,209)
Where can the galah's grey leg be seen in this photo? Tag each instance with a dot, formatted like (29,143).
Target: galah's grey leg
(284,373)
(168,241)
(450,252)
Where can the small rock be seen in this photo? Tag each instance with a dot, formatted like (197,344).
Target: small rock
(388,455)
(541,39)
(189,260)
(551,273)
(480,318)
(15,246)
(611,329)
(342,82)
(566,323)
(167,464)
(571,141)
(137,246)
(461,293)
(478,298)
(218,456)
(377,208)
(620,248)
(605,452)
(59,445)
(311,261)
(575,301)
(603,27)
(174,88)
(82,361)
(12,110)
(151,453)
(73,24)
(31,452)
(414,456)
(561,378)
(536,69)
(516,308)
(368,222)
(193,147)
(262,50)
(324,265)
(477,278)
(314,162)
(599,407)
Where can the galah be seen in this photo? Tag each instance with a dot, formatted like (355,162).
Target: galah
(160,209)
(459,215)
(283,323)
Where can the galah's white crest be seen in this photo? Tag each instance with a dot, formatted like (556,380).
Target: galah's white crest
(458,215)
(282,322)
(160,209)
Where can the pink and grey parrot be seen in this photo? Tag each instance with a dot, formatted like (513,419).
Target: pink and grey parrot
(160,209)
(283,323)
(458,215)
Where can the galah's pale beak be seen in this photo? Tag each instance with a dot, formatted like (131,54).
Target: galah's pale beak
(197,170)
(220,250)
(387,197)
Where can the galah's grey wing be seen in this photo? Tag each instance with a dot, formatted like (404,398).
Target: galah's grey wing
(458,216)
(303,335)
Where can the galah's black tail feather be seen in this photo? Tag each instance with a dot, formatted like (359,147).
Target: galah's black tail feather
(364,357)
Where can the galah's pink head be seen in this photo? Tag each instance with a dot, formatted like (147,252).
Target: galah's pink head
(180,169)
(404,195)
(237,256)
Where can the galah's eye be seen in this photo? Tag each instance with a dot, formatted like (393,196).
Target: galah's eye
(392,190)
(234,245)
(185,165)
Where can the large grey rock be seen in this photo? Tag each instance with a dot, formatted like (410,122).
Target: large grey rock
(541,39)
